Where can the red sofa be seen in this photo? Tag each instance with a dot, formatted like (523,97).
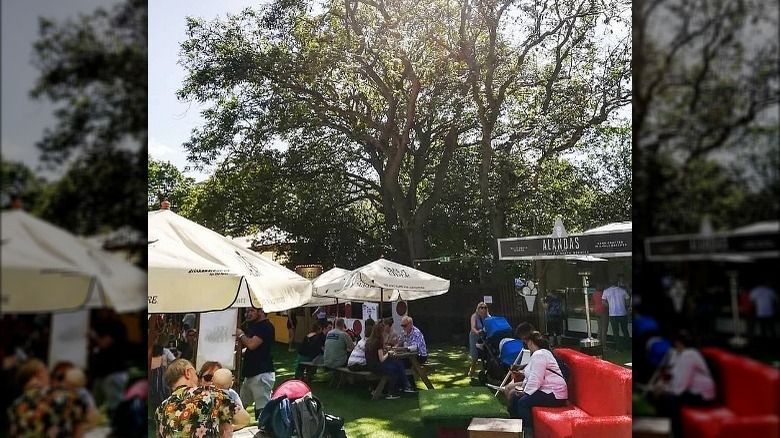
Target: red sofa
(748,400)
(599,401)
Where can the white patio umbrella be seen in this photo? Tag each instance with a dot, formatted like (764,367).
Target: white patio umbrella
(383,280)
(329,282)
(195,269)
(325,285)
(48,269)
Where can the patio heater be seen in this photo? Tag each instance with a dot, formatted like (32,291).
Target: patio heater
(589,342)
(737,341)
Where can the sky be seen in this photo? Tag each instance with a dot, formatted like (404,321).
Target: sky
(171,121)
(23,119)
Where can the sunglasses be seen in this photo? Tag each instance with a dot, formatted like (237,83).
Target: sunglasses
(404,325)
(482,307)
(207,377)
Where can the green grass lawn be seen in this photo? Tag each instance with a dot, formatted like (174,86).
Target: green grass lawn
(382,418)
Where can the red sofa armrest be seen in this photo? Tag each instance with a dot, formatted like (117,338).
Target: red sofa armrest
(599,427)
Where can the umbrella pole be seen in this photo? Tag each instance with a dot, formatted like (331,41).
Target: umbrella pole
(237,356)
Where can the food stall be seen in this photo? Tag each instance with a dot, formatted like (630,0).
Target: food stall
(717,266)
(574,265)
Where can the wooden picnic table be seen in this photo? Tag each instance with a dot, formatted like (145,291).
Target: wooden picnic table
(419,369)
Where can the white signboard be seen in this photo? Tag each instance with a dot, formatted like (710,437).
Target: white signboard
(488,299)
(215,339)
(371,310)
(68,338)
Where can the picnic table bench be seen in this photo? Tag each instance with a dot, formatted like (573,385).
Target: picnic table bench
(342,375)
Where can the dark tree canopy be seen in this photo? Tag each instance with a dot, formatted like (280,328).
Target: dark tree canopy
(391,99)
(94,69)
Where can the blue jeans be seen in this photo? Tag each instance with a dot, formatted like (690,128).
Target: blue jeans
(395,369)
(520,407)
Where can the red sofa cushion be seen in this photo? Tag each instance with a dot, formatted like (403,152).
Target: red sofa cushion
(723,423)
(747,387)
(598,387)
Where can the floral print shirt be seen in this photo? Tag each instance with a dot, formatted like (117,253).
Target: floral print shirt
(46,412)
(194,412)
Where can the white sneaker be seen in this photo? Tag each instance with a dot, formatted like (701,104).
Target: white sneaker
(410,390)
(392,397)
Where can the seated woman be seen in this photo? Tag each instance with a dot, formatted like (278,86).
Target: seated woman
(689,382)
(357,359)
(379,360)
(543,383)
(310,350)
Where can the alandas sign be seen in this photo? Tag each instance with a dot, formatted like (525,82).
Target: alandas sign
(599,242)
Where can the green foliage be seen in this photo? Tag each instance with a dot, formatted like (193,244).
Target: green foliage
(87,199)
(386,111)
(95,68)
(705,114)
(19,183)
(165,181)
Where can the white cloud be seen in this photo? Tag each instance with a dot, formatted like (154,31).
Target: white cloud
(160,150)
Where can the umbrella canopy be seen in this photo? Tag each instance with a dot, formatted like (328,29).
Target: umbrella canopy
(48,269)
(195,269)
(383,280)
(329,282)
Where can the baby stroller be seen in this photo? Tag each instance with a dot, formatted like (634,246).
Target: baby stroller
(499,350)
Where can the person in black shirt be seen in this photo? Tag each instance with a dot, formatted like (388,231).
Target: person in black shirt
(258,366)
(310,350)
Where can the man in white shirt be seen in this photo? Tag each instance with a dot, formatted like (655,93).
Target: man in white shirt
(764,299)
(617,299)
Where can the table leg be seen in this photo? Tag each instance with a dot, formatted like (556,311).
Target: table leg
(421,372)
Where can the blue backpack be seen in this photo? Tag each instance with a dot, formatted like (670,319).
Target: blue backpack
(276,418)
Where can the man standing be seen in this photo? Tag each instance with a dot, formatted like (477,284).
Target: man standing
(338,345)
(601,314)
(258,365)
(616,298)
(192,410)
(764,299)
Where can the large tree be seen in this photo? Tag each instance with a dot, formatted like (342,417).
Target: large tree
(93,68)
(705,90)
(393,90)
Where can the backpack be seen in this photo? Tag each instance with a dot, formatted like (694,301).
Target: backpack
(565,371)
(308,416)
(129,419)
(276,418)
(158,390)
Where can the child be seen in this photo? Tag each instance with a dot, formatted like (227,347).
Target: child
(76,380)
(223,379)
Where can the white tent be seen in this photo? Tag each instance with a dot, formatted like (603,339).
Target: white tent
(383,280)
(195,269)
(47,269)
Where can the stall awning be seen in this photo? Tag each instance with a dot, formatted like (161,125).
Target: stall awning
(755,241)
(608,241)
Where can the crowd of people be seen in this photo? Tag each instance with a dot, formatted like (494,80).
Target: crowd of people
(69,399)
